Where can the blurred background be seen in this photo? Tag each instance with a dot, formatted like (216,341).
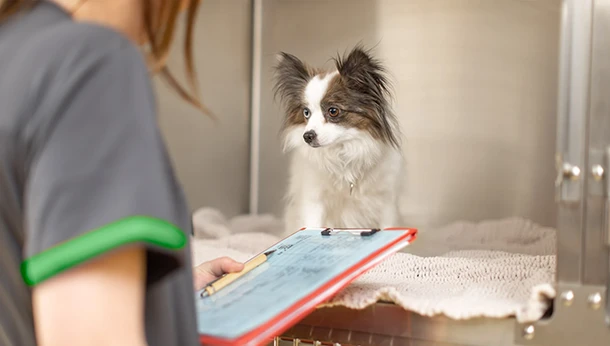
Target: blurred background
(475,91)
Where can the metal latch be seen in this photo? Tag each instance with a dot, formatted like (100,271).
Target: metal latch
(565,172)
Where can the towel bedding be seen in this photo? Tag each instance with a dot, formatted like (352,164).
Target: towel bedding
(494,269)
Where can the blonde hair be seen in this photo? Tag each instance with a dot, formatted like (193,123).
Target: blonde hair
(159,29)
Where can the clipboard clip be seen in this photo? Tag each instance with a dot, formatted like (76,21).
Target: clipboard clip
(363,232)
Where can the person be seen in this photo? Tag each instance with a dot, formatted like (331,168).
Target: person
(94,226)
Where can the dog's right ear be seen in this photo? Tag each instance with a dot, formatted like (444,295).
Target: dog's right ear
(291,77)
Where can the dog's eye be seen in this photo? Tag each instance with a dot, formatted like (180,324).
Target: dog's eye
(333,112)
(306,113)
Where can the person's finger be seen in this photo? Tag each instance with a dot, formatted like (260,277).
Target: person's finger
(224,265)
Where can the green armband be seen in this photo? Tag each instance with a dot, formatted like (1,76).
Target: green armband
(75,251)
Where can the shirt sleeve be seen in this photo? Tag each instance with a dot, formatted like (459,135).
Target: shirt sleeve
(99,159)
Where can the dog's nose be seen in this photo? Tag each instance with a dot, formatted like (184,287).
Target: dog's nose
(309,136)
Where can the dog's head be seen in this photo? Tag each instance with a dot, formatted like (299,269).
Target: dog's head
(324,108)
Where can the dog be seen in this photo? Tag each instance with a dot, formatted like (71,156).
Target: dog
(344,140)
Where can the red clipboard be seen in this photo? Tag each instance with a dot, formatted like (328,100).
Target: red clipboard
(264,334)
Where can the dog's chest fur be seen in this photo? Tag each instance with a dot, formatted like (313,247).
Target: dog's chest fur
(324,176)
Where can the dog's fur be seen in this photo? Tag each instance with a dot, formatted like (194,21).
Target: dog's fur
(341,130)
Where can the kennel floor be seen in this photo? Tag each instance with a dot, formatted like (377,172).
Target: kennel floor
(386,324)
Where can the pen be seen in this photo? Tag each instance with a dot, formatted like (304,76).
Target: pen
(226,279)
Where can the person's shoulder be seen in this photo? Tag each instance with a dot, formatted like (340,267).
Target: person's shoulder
(82,63)
(76,45)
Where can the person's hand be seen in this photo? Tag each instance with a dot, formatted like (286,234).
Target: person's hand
(209,271)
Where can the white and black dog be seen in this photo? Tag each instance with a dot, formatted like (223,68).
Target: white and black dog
(346,168)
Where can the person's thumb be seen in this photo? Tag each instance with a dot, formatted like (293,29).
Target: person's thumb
(225,265)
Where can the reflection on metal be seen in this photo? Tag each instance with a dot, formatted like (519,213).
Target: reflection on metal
(595,300)
(597,171)
(528,332)
(567,298)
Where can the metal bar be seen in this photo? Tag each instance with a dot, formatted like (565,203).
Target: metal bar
(571,142)
(596,251)
(607,223)
(255,101)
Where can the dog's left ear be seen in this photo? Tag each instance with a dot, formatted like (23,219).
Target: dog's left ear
(365,77)
(362,71)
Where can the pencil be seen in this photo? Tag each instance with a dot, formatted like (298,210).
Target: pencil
(226,279)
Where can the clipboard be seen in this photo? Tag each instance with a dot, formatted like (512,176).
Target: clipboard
(307,268)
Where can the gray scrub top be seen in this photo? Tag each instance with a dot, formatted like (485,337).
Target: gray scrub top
(79,149)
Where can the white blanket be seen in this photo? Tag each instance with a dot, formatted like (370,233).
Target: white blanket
(494,269)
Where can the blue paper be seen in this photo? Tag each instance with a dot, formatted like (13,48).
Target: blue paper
(302,263)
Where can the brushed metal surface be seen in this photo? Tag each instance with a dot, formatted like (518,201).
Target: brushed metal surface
(387,324)
(212,160)
(597,254)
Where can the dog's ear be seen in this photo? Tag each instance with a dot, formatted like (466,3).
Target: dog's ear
(365,78)
(291,77)
(362,71)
